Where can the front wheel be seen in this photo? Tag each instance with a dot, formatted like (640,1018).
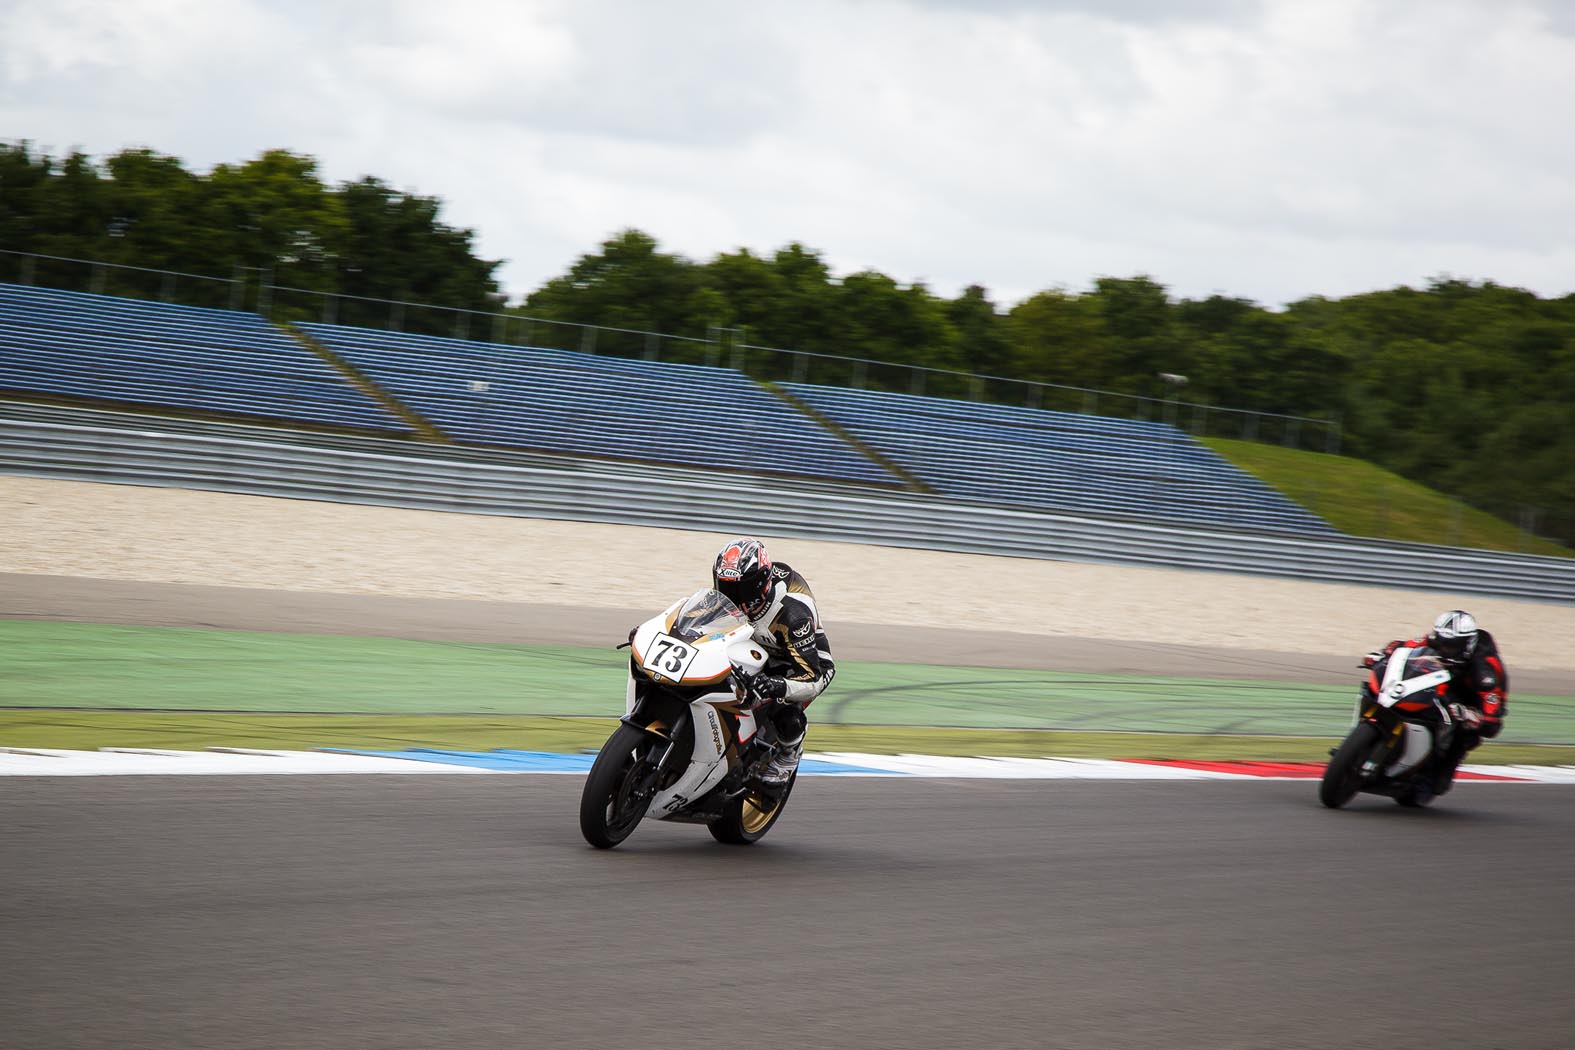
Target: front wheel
(750,816)
(1342,779)
(616,795)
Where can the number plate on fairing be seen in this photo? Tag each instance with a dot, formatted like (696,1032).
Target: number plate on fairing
(667,658)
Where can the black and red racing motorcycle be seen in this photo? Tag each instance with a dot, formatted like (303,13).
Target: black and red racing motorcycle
(1404,724)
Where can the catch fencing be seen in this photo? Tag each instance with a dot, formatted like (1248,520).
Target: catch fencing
(262,462)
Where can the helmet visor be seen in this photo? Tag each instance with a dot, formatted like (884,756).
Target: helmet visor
(1452,650)
(749,594)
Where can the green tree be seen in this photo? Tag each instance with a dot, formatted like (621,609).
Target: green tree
(628,284)
(394,246)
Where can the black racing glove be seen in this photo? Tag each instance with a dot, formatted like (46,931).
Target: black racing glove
(760,688)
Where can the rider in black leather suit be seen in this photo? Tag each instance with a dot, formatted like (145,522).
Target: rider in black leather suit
(778,603)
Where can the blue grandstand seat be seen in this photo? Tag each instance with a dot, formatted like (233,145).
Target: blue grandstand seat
(1061,460)
(568,401)
(76,344)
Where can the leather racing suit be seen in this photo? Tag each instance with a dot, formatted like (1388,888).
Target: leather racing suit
(797,650)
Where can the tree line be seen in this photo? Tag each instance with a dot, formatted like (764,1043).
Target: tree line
(1466,386)
(270,219)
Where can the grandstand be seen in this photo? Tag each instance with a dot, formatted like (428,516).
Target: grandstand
(568,401)
(101,348)
(80,345)
(1091,465)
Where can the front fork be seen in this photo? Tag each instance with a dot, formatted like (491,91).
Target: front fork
(1390,738)
(666,732)
(1391,745)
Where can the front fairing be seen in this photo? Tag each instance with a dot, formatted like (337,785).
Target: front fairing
(1411,685)
(686,646)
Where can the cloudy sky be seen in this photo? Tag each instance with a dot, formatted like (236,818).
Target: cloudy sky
(1256,148)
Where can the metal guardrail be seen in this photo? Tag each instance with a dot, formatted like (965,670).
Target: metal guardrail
(428,478)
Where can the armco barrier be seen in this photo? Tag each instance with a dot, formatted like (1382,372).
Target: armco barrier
(384,473)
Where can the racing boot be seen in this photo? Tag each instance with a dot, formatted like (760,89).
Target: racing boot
(784,762)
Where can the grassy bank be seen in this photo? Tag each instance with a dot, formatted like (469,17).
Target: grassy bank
(1365,500)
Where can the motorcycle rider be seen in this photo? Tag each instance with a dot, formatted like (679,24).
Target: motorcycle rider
(778,603)
(1478,686)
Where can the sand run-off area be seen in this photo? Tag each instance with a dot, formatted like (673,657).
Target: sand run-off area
(167,535)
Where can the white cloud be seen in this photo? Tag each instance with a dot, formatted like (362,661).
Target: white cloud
(1270,150)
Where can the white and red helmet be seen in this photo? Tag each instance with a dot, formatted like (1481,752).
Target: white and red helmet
(742,573)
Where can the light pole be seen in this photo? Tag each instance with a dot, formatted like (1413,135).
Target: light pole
(1174,382)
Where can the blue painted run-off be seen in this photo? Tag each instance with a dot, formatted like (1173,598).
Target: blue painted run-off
(509,761)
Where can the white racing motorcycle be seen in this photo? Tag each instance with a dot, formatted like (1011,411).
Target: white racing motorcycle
(685,750)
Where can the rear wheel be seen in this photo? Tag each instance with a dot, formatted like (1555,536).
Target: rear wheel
(1342,779)
(616,794)
(750,816)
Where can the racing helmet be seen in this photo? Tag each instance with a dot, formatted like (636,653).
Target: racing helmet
(742,573)
(1454,636)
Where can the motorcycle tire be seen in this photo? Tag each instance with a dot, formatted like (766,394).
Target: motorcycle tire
(607,813)
(745,819)
(1342,778)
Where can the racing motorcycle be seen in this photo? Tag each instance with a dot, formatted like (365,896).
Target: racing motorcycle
(1403,725)
(687,749)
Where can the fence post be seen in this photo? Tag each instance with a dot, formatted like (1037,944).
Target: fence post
(588,339)
(800,366)
(167,287)
(96,280)
(858,375)
(27,269)
(916,387)
(1090,403)
(265,292)
(1334,435)
(396,316)
(653,347)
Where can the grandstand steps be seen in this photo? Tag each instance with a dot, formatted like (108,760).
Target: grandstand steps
(909,481)
(424,429)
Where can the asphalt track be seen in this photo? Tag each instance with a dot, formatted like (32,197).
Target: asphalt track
(392,912)
(437,911)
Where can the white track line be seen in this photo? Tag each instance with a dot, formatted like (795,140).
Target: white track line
(205,763)
(239,761)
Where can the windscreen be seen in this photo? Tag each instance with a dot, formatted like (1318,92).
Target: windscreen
(704,613)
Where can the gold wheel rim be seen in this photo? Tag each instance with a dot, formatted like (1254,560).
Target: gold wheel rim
(753,818)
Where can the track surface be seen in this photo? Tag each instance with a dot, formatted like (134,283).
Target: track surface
(421,912)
